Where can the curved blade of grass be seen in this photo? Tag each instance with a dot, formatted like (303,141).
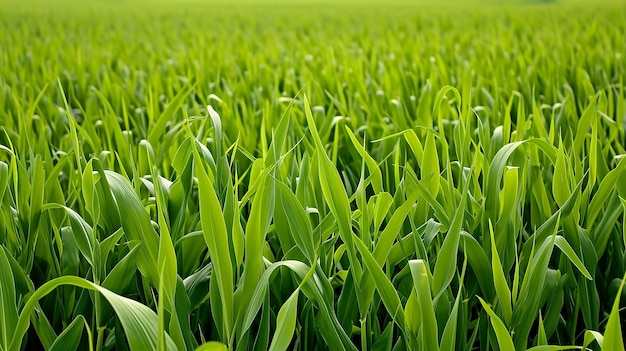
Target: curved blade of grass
(285,323)
(561,185)
(376,175)
(590,336)
(605,189)
(445,267)
(291,211)
(613,337)
(122,273)
(216,237)
(533,284)
(502,288)
(83,233)
(430,165)
(69,339)
(386,239)
(261,212)
(386,290)
(496,169)
(479,263)
(505,343)
(312,285)
(428,329)
(139,322)
(565,247)
(158,129)
(136,223)
(448,338)
(8,304)
(336,197)
(4,179)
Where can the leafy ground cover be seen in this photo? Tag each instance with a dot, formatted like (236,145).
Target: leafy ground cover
(252,176)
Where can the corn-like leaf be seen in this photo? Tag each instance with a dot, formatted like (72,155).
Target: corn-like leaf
(605,189)
(334,335)
(383,285)
(430,165)
(505,342)
(139,322)
(69,339)
(136,223)
(4,179)
(530,292)
(158,129)
(372,166)
(591,336)
(565,247)
(583,124)
(561,184)
(448,338)
(285,323)
(334,193)
(291,211)
(216,237)
(83,233)
(413,314)
(445,267)
(502,288)
(508,196)
(7,300)
(613,337)
(421,285)
(261,213)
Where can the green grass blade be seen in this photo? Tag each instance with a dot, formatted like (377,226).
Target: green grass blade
(428,329)
(445,267)
(505,343)
(216,237)
(139,322)
(69,339)
(285,323)
(613,337)
(8,304)
(499,280)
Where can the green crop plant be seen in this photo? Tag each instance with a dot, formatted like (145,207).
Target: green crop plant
(278,175)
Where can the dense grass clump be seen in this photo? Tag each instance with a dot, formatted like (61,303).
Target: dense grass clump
(254,175)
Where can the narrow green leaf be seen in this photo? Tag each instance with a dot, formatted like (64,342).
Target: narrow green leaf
(372,165)
(430,165)
(386,290)
(69,339)
(285,323)
(445,266)
(8,304)
(505,343)
(421,284)
(136,223)
(591,336)
(139,322)
(502,288)
(561,184)
(613,337)
(565,247)
(158,129)
(216,237)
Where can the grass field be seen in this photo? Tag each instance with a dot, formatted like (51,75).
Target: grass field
(254,175)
